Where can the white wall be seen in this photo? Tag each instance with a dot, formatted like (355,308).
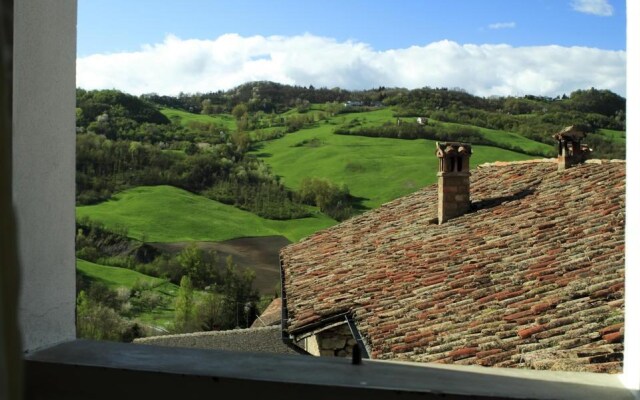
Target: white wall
(44,182)
(632,229)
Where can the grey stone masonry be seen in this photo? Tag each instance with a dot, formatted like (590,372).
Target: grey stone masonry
(336,342)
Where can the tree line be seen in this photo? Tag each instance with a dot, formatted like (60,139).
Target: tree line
(535,117)
(432,131)
(271,97)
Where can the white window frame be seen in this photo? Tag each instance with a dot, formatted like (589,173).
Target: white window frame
(44,186)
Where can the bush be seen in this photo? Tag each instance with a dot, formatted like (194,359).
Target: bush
(333,200)
(97,321)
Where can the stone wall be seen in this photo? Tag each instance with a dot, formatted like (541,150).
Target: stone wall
(333,342)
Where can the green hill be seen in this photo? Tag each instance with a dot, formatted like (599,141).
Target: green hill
(376,169)
(115,277)
(168,214)
(508,139)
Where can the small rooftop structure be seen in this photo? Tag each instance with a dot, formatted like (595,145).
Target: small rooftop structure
(271,315)
(571,150)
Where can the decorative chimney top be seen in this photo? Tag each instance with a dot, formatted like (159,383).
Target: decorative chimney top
(570,149)
(453,179)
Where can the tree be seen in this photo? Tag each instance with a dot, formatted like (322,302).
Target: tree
(210,311)
(332,108)
(184,317)
(239,296)
(332,199)
(239,110)
(197,266)
(603,102)
(241,141)
(207,108)
(96,321)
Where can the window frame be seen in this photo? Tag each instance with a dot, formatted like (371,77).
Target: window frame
(43,243)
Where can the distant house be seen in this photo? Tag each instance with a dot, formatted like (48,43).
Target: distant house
(515,264)
(353,104)
(422,120)
(270,316)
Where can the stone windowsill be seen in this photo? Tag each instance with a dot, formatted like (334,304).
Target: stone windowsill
(87,369)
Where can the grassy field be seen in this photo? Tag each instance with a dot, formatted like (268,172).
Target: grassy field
(617,136)
(380,116)
(185,117)
(375,169)
(168,214)
(511,139)
(115,278)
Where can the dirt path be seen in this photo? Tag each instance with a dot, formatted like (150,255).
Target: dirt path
(259,254)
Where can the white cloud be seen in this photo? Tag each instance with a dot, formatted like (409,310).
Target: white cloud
(502,25)
(596,7)
(191,66)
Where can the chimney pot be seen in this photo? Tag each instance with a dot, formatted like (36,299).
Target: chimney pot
(570,149)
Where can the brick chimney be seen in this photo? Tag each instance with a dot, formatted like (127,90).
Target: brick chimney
(453,180)
(570,149)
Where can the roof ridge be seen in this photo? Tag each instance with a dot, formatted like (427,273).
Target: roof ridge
(208,333)
(544,160)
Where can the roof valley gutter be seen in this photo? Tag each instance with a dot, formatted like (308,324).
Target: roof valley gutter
(356,335)
(284,316)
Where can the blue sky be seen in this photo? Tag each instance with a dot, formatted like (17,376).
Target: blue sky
(379,33)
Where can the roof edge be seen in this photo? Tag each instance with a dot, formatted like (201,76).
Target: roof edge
(545,160)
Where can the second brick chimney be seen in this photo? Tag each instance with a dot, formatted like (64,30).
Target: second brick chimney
(570,149)
(453,180)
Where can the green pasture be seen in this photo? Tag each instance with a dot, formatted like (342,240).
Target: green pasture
(115,277)
(504,138)
(507,139)
(168,214)
(617,136)
(375,169)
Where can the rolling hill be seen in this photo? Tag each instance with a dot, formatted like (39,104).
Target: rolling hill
(168,214)
(375,169)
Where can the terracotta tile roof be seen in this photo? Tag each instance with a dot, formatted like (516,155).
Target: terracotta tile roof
(271,315)
(532,277)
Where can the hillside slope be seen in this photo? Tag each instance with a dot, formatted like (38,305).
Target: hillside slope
(375,169)
(169,214)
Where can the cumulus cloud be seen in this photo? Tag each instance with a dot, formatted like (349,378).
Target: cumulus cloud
(502,25)
(190,66)
(596,7)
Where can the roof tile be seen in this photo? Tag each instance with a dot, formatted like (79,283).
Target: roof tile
(531,277)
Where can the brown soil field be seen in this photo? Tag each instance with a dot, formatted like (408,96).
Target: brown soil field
(260,254)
